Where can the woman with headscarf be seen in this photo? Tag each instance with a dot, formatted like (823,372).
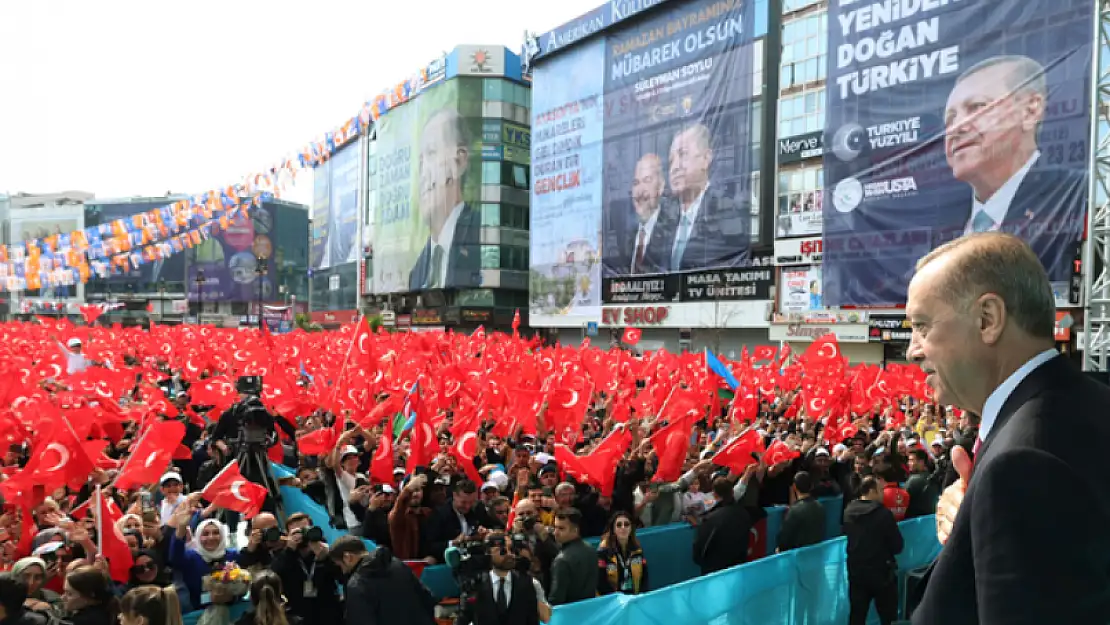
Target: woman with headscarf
(623,565)
(148,570)
(33,572)
(207,551)
(90,597)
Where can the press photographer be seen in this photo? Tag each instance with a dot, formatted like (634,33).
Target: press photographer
(537,540)
(250,430)
(504,595)
(309,578)
(263,541)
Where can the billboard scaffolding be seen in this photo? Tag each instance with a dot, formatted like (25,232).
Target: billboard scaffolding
(1095,343)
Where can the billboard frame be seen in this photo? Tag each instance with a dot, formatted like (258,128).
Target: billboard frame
(1095,346)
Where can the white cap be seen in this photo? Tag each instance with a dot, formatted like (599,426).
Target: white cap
(498,479)
(347,451)
(73,342)
(840,448)
(490,485)
(386,488)
(910,442)
(543,458)
(398,471)
(821,451)
(938,440)
(172,475)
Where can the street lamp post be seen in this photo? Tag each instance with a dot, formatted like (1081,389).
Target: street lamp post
(260,267)
(200,296)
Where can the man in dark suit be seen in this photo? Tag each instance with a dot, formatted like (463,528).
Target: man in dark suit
(450,257)
(453,521)
(982,313)
(505,596)
(722,537)
(644,241)
(707,228)
(992,119)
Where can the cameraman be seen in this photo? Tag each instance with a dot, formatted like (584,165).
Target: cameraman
(505,595)
(264,541)
(308,577)
(537,540)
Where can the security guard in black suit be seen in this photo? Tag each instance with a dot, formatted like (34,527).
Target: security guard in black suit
(506,596)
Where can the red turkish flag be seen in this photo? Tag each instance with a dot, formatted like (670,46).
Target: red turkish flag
(464,450)
(516,320)
(599,467)
(381,465)
(764,352)
(423,445)
(737,455)
(149,459)
(779,452)
(58,459)
(671,444)
(113,546)
(230,490)
(632,335)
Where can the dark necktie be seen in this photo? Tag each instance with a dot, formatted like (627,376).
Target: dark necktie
(502,600)
(640,251)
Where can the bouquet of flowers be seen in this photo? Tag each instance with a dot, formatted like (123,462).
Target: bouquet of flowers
(226,585)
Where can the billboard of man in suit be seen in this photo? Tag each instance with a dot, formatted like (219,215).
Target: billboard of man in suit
(450,257)
(708,229)
(992,119)
(647,251)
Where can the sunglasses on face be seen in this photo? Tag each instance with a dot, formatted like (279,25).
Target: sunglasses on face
(622,524)
(139,568)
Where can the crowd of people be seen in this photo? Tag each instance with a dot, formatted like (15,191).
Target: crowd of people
(492,446)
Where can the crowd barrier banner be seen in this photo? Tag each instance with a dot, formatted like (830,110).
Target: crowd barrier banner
(668,549)
(806,586)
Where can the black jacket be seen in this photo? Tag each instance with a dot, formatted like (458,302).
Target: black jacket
(1006,563)
(722,537)
(463,259)
(441,527)
(523,604)
(247,618)
(292,567)
(383,591)
(804,525)
(92,615)
(26,617)
(873,539)
(573,574)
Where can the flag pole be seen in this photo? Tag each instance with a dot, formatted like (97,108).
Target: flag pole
(99,520)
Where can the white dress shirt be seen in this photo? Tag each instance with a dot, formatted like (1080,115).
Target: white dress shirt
(996,206)
(166,510)
(691,214)
(647,228)
(495,578)
(993,405)
(444,240)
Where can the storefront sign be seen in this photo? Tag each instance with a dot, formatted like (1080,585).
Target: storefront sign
(889,329)
(334,317)
(1064,323)
(634,315)
(753,281)
(806,251)
(427,317)
(480,315)
(845,333)
(801,147)
(404,321)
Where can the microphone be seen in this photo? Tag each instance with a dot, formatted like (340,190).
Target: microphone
(453,557)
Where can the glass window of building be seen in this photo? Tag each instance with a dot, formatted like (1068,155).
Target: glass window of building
(494,89)
(802,112)
(475,297)
(757,68)
(755,207)
(491,172)
(804,46)
(491,257)
(800,189)
(491,215)
(789,6)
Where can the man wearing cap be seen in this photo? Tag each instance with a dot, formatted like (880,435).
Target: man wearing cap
(824,485)
(343,484)
(75,359)
(172,498)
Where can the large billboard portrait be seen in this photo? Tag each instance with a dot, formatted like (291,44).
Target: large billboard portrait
(321,214)
(664,104)
(426,172)
(949,119)
(565,236)
(342,225)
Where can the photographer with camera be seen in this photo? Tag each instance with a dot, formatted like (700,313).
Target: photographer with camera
(309,578)
(505,595)
(264,541)
(537,539)
(250,430)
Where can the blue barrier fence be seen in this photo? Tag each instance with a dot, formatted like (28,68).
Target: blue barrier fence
(806,586)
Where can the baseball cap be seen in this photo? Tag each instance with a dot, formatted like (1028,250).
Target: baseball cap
(170,477)
(398,471)
(549,468)
(73,342)
(821,451)
(938,440)
(543,458)
(840,448)
(347,451)
(383,488)
(488,485)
